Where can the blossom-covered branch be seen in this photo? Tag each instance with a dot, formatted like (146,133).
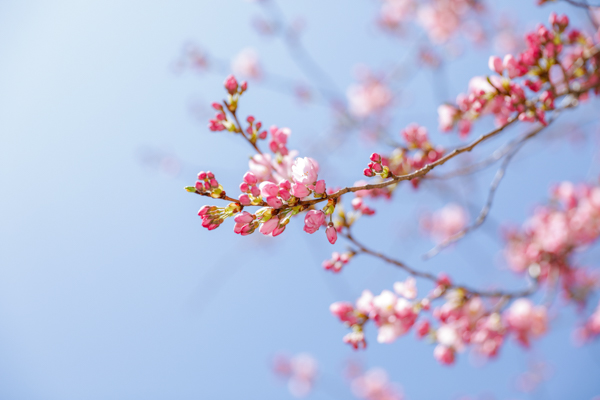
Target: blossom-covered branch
(559,64)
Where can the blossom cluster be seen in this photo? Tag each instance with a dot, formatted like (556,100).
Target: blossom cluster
(444,223)
(441,19)
(278,182)
(591,328)
(414,155)
(463,319)
(369,97)
(375,384)
(300,372)
(546,245)
(337,261)
(281,184)
(558,61)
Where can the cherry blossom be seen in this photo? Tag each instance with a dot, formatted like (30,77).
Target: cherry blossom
(246,64)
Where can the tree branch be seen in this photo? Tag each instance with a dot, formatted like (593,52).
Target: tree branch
(360,248)
(513,149)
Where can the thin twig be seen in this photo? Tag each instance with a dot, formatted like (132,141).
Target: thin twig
(311,69)
(513,150)
(361,248)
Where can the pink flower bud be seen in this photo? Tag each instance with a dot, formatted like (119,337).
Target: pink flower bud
(244,217)
(263,135)
(368,172)
(327,264)
(244,187)
(217,106)
(244,200)
(299,190)
(255,191)
(202,176)
(250,119)
(464,127)
(495,64)
(534,86)
(343,310)
(331,234)
(285,185)
(274,202)
(231,84)
(268,227)
(268,189)
(279,230)
(377,167)
(214,183)
(250,178)
(375,158)
(423,329)
(238,227)
(563,21)
(244,86)
(203,211)
(445,355)
(199,186)
(285,194)
(320,187)
(313,220)
(511,66)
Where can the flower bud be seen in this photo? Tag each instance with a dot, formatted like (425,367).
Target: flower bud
(231,84)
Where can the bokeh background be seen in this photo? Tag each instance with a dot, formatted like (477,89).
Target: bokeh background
(111,289)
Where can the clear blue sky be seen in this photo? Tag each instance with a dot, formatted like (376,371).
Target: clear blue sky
(109,287)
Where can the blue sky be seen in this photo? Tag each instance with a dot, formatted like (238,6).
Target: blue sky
(110,288)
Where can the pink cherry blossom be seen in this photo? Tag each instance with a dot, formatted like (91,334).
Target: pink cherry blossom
(526,320)
(495,64)
(407,289)
(268,189)
(375,385)
(305,170)
(369,97)
(445,222)
(444,354)
(313,220)
(300,371)
(231,84)
(331,234)
(299,190)
(246,64)
(447,115)
(268,227)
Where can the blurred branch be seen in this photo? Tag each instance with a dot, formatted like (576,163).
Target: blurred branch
(513,149)
(301,57)
(361,248)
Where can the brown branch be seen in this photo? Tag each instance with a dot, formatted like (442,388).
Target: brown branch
(427,168)
(301,57)
(512,151)
(416,174)
(239,128)
(361,248)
